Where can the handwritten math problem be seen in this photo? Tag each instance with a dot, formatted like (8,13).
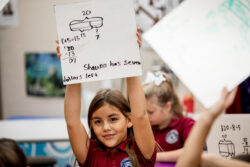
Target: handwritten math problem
(92,69)
(81,26)
(95,44)
(232,127)
(231,131)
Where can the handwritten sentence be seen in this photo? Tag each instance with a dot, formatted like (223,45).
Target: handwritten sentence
(92,69)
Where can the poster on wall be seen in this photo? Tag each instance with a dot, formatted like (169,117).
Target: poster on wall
(61,151)
(43,75)
(97,40)
(9,14)
(230,136)
(206,44)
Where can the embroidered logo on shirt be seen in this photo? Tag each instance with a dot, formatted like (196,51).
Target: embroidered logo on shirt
(172,136)
(126,162)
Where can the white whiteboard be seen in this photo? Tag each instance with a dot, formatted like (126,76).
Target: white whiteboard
(207,44)
(97,40)
(230,135)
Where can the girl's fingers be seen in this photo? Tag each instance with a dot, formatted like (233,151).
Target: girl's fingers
(230,97)
(59,55)
(58,49)
(138,34)
(225,101)
(139,43)
(227,97)
(224,95)
(139,29)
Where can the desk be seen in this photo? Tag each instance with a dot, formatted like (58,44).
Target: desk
(41,137)
(36,129)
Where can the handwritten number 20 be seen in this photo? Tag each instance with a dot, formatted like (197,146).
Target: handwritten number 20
(87,12)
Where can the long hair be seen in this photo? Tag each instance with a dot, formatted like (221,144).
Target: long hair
(165,92)
(11,154)
(116,99)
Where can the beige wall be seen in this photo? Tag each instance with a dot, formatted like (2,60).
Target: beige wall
(35,32)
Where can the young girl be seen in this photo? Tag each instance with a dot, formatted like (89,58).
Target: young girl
(169,126)
(121,134)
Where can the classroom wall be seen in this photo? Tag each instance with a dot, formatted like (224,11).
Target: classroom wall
(36,32)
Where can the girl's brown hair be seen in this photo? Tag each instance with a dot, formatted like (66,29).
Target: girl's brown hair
(165,92)
(116,99)
(11,154)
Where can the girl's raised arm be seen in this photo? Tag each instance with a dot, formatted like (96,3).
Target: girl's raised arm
(142,129)
(193,148)
(77,134)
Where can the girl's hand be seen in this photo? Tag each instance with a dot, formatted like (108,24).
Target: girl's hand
(225,101)
(58,50)
(138,34)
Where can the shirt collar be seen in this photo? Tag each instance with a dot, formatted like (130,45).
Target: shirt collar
(121,147)
(172,124)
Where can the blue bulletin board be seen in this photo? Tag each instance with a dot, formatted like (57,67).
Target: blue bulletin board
(60,150)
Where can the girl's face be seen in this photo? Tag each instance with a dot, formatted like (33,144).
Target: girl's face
(158,115)
(110,125)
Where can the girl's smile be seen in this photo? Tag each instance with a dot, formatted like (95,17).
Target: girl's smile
(109,136)
(110,125)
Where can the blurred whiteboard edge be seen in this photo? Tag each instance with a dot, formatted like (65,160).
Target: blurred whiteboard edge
(156,33)
(150,39)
